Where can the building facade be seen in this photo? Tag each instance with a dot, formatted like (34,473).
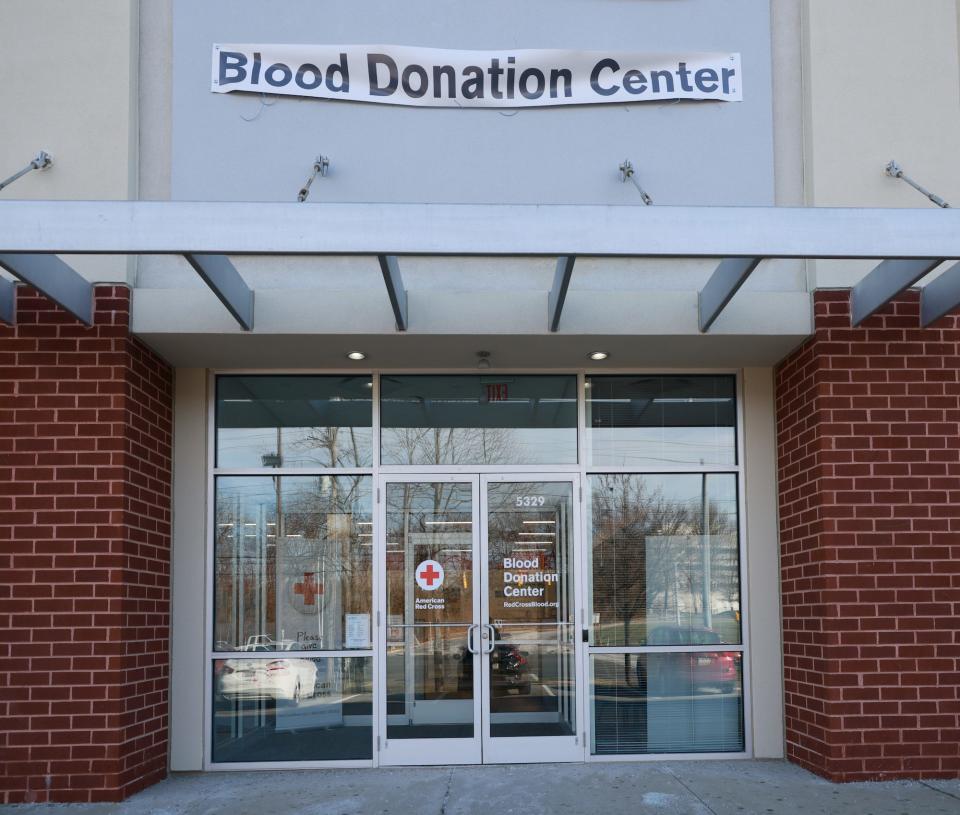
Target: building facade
(374,479)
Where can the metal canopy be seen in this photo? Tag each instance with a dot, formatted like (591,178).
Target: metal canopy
(55,279)
(390,267)
(884,283)
(722,285)
(8,302)
(910,242)
(224,280)
(558,291)
(180,227)
(940,296)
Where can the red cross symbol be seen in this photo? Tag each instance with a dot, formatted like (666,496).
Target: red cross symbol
(429,575)
(309,588)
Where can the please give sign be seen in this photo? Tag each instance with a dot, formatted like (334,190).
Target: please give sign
(436,77)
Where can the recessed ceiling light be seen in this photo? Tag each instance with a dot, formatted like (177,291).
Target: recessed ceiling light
(356,355)
(596,356)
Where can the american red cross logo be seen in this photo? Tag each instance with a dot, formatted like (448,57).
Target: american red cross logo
(309,588)
(429,575)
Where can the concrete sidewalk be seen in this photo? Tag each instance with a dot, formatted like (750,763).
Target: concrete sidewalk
(662,788)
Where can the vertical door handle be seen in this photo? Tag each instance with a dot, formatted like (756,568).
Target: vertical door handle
(488,645)
(471,646)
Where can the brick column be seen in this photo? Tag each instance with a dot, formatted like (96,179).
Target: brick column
(869,468)
(85,424)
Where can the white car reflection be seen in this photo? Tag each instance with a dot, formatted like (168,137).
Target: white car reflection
(281,679)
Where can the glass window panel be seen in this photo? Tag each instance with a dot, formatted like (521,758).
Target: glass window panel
(303,585)
(294,421)
(667,703)
(292,709)
(656,578)
(478,419)
(657,421)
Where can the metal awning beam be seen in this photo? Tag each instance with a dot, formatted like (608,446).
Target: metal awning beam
(390,267)
(558,291)
(225,281)
(729,276)
(58,281)
(940,296)
(8,301)
(884,283)
(182,227)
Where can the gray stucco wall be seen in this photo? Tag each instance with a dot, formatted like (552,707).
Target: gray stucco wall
(239,147)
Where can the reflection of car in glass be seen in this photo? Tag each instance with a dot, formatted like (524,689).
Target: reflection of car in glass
(676,674)
(281,679)
(508,669)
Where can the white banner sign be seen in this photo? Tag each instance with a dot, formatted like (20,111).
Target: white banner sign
(436,77)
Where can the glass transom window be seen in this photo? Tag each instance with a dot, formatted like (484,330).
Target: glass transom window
(661,421)
(502,419)
(294,421)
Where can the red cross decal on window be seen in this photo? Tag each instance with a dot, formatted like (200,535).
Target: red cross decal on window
(429,575)
(309,588)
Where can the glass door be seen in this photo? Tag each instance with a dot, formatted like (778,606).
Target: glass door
(477,634)
(528,633)
(429,631)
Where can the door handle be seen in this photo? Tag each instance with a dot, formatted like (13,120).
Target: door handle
(471,646)
(488,637)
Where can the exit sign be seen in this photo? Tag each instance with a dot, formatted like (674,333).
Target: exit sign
(497,392)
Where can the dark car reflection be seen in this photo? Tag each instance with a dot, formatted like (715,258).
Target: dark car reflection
(509,670)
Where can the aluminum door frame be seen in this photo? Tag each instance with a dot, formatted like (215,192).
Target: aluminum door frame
(538,749)
(426,751)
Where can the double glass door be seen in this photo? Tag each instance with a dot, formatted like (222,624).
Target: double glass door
(479,653)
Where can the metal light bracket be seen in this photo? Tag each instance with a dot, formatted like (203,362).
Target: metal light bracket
(894,170)
(320,167)
(627,172)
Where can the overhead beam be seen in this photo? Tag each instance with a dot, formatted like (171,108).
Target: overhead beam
(940,296)
(58,281)
(558,291)
(8,301)
(225,281)
(729,276)
(884,283)
(390,267)
(234,228)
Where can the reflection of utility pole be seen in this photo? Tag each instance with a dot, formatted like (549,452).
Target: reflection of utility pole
(705,554)
(676,591)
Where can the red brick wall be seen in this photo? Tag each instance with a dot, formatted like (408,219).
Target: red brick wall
(869,465)
(85,437)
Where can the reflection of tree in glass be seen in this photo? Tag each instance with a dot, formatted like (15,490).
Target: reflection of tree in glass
(448,445)
(245,563)
(340,446)
(648,549)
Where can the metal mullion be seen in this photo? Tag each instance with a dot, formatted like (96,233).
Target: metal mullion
(291,471)
(745,672)
(730,469)
(666,649)
(252,655)
(209,537)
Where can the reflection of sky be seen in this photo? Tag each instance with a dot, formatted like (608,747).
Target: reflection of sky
(661,446)
(301,446)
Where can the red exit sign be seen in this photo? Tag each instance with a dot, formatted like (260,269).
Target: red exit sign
(497,392)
